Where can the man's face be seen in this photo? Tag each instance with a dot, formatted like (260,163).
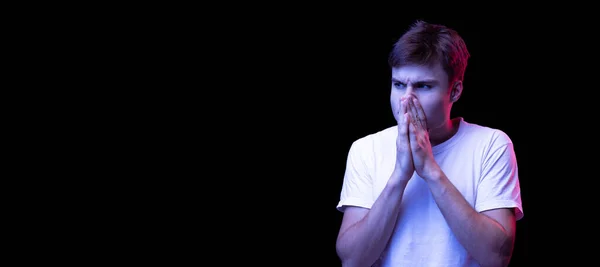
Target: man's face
(429,84)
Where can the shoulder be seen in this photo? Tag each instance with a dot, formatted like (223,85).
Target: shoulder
(486,136)
(375,140)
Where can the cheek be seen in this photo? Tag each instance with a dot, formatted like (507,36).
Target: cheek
(434,111)
(430,108)
(395,103)
(395,106)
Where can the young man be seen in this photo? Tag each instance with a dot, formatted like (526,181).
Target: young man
(430,191)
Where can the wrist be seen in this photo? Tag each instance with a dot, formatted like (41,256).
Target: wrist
(401,175)
(398,181)
(434,174)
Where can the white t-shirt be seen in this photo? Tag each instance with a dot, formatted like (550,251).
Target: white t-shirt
(479,161)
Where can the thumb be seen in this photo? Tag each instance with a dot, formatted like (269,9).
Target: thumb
(412,136)
(403,128)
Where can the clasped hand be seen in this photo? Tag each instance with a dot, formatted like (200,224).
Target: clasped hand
(413,145)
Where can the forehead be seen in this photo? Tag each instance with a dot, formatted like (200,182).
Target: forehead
(416,73)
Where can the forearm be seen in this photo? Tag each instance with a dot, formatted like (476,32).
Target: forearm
(362,243)
(484,238)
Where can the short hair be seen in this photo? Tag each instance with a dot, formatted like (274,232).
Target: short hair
(427,44)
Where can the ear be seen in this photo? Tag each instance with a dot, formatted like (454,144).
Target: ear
(456,91)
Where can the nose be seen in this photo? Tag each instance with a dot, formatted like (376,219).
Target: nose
(409,92)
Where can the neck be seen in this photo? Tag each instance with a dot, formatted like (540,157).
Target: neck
(443,132)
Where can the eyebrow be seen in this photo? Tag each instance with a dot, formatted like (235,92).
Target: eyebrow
(430,81)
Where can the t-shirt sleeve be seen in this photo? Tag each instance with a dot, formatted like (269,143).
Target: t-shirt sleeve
(357,186)
(499,185)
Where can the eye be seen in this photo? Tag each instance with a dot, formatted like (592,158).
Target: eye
(425,86)
(398,84)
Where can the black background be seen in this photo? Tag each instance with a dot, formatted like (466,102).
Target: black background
(299,85)
(221,132)
(329,85)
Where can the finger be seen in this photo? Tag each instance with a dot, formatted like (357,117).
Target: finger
(404,127)
(399,112)
(402,115)
(420,113)
(412,135)
(413,111)
(402,138)
(403,108)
